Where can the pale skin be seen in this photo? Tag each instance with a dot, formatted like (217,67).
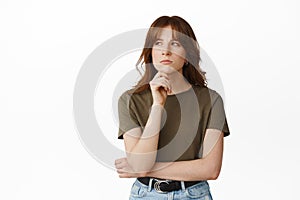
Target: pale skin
(141,146)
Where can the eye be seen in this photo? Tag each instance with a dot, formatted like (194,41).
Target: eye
(175,43)
(158,43)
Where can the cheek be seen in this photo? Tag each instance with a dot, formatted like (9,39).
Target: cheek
(179,53)
(155,55)
(180,57)
(182,54)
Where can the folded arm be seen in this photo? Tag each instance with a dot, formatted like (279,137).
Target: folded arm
(206,168)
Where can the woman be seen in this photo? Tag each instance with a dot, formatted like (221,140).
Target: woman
(172,124)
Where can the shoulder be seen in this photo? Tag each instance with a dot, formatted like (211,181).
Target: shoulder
(129,96)
(206,93)
(207,97)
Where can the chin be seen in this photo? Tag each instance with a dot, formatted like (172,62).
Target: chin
(166,69)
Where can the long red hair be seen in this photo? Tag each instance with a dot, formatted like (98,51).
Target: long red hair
(191,71)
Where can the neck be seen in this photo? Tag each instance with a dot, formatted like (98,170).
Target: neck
(178,83)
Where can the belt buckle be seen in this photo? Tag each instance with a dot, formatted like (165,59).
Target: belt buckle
(157,185)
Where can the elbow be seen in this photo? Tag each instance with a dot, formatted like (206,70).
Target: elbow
(213,172)
(214,175)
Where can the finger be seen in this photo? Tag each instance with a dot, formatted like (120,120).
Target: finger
(117,161)
(164,83)
(121,165)
(120,160)
(128,175)
(161,74)
(120,171)
(164,74)
(157,85)
(167,83)
(124,176)
(118,166)
(165,86)
(162,80)
(123,171)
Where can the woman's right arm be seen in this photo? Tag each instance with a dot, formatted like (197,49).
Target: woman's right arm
(141,146)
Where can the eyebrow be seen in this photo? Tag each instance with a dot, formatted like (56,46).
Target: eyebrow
(170,40)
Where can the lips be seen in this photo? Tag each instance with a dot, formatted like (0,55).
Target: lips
(166,62)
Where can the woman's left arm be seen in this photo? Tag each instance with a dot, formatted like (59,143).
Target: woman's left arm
(206,168)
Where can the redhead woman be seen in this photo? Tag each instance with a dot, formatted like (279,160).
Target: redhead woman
(171,122)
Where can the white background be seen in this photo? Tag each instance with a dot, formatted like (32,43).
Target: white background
(254,45)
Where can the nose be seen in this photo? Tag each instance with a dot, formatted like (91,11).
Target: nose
(166,51)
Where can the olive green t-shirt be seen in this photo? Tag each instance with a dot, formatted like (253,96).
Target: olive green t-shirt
(185,118)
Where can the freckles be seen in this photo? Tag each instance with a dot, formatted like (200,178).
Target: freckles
(155,54)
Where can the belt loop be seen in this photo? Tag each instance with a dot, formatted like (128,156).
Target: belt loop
(150,184)
(182,186)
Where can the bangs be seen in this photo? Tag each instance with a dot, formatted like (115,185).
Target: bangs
(155,32)
(175,34)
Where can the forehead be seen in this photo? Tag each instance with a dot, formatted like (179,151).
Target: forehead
(166,33)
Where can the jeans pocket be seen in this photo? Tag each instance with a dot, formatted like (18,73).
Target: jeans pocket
(137,191)
(199,191)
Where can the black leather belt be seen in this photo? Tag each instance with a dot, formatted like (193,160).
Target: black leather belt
(163,186)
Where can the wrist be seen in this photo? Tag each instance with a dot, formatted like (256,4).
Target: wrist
(158,104)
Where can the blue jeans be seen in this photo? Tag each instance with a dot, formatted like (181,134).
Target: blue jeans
(199,191)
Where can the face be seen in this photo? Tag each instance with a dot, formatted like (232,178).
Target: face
(168,54)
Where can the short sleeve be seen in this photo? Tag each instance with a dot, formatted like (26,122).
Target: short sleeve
(217,117)
(127,117)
